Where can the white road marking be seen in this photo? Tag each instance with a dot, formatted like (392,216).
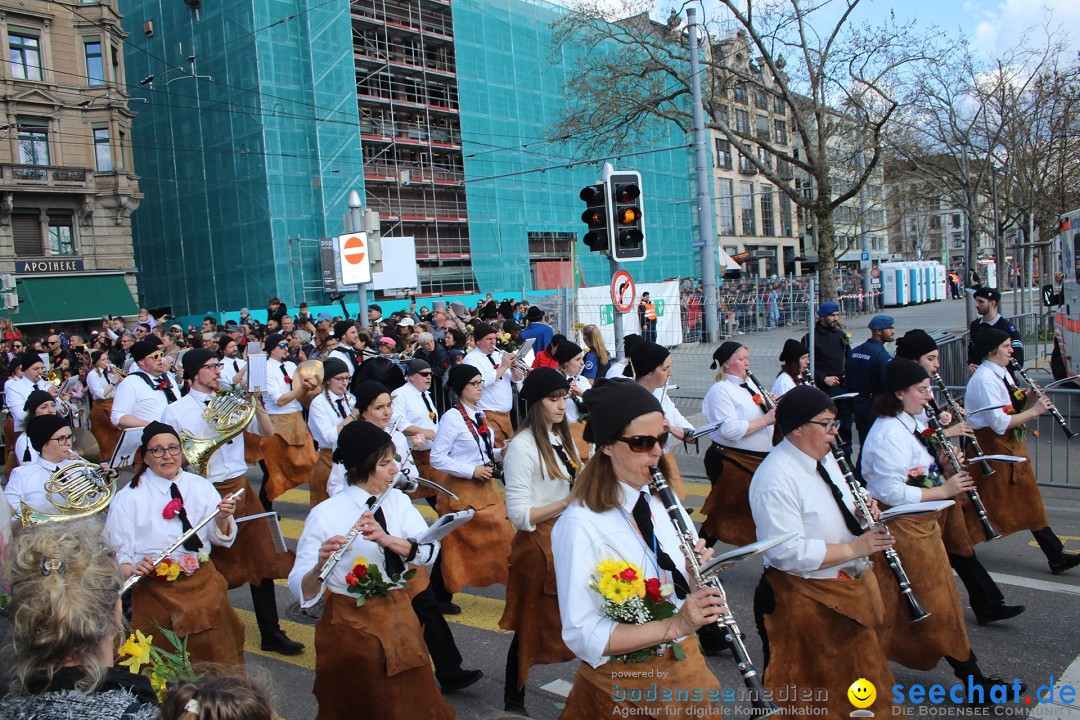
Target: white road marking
(1033,584)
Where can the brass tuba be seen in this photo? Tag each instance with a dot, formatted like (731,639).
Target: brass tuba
(77,491)
(227,414)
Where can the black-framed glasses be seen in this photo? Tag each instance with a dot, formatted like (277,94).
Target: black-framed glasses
(64,439)
(475,383)
(213,366)
(826,425)
(645,443)
(342,378)
(159,452)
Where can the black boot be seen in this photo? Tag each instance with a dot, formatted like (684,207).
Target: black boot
(1054,551)
(977,687)
(513,698)
(274,639)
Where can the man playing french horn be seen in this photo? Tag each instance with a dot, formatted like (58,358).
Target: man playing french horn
(252,559)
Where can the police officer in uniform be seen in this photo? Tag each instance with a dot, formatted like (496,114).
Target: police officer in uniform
(866,371)
(987,301)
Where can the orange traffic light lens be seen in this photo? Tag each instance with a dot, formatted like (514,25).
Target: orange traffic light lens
(629,216)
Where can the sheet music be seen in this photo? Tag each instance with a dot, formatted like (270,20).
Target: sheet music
(274,524)
(124,454)
(256,372)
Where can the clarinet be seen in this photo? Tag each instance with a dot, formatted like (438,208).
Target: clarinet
(805,377)
(891,556)
(688,538)
(1040,393)
(958,412)
(766,398)
(973,494)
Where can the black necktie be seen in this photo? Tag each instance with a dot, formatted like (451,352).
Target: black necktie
(391,560)
(193,543)
(427,404)
(853,525)
(236,366)
(341,407)
(571,469)
(643,518)
(1018,405)
(492,361)
(285,374)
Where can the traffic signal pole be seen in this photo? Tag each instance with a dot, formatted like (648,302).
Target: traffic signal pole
(705,209)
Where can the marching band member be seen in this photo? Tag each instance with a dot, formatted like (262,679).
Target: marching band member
(350,348)
(252,559)
(372,654)
(185,593)
(102,381)
(51,436)
(613,520)
(478,553)
(892,456)
(617,368)
(816,587)
(498,392)
(232,365)
(330,411)
(795,361)
(17,390)
(143,395)
(414,403)
(541,465)
(289,453)
(37,404)
(571,359)
(737,448)
(1000,416)
(917,345)
(987,301)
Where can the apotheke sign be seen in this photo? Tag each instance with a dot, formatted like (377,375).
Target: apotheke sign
(44,267)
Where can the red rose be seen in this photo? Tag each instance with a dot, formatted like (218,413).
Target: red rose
(171,508)
(652,590)
(757,399)
(350,579)
(928,432)
(628,575)
(483,429)
(360,571)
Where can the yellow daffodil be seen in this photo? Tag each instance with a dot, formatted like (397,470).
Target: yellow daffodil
(136,650)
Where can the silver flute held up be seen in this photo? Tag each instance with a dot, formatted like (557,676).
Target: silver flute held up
(1040,393)
(134,579)
(761,703)
(973,494)
(917,611)
(958,413)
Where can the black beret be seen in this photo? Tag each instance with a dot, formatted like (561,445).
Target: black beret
(272,341)
(366,392)
(723,353)
(644,358)
(799,405)
(793,350)
(36,399)
(417,365)
(460,375)
(358,440)
(989,294)
(223,342)
(95,355)
(29,360)
(988,341)
(41,429)
(915,344)
(541,382)
(490,311)
(481,331)
(157,428)
(614,404)
(566,352)
(630,341)
(341,327)
(194,359)
(143,348)
(332,367)
(535,314)
(902,373)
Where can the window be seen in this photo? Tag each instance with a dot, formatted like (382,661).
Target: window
(762,126)
(102,150)
(95,64)
(33,141)
(956,221)
(24,52)
(121,148)
(726,223)
(781,131)
(764,157)
(761,99)
(786,229)
(742,121)
(768,219)
(745,166)
(61,232)
(740,93)
(723,154)
(747,205)
(26,231)
(778,105)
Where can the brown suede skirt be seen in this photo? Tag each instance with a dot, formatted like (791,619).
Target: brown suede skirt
(320,473)
(253,557)
(584,449)
(532,602)
(252,448)
(101,426)
(371,661)
(1011,496)
(195,607)
(477,553)
(422,460)
(501,427)
(727,509)
(289,454)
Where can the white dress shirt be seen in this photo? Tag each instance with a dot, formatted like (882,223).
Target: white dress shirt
(345,357)
(582,539)
(134,396)
(276,387)
(528,483)
(726,400)
(16,391)
(227,461)
(137,528)
(786,494)
(456,450)
(498,392)
(230,368)
(782,384)
(671,414)
(98,383)
(336,516)
(572,412)
(616,369)
(889,452)
(415,408)
(27,485)
(985,389)
(324,416)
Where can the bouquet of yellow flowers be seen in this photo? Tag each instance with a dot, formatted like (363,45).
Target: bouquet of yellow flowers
(165,668)
(505,342)
(1020,430)
(631,598)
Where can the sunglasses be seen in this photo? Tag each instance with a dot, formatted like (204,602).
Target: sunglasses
(155,356)
(283,344)
(645,443)
(424,373)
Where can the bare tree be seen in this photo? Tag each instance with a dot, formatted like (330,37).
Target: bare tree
(835,80)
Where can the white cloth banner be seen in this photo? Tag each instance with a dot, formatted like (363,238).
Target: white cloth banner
(594,307)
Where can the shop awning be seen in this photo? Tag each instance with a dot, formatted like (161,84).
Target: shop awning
(72,298)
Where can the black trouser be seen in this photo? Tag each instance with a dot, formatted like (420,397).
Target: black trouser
(1050,544)
(764,604)
(264,602)
(983,592)
(437,586)
(511,694)
(267,505)
(437,636)
(863,410)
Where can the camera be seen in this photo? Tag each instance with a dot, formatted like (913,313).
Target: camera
(496,471)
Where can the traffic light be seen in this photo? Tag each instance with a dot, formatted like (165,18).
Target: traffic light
(598,209)
(9,294)
(628,228)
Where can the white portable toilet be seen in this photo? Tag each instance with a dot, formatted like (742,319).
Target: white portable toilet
(895,284)
(915,284)
(989,273)
(941,282)
(926,269)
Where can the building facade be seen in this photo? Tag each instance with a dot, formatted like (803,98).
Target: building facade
(67,180)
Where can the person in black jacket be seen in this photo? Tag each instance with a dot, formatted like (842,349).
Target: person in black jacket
(831,351)
(986,304)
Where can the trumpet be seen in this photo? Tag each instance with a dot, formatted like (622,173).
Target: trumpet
(687,539)
(1040,393)
(973,494)
(958,412)
(918,612)
(110,368)
(160,557)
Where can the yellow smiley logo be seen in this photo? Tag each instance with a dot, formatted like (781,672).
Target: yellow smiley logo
(862,693)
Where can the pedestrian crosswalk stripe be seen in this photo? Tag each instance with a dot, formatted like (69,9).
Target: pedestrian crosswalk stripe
(296,631)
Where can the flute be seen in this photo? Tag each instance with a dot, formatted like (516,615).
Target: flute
(1039,393)
(958,412)
(918,612)
(687,539)
(134,579)
(973,494)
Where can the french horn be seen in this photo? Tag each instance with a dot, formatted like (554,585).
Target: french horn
(227,413)
(77,490)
